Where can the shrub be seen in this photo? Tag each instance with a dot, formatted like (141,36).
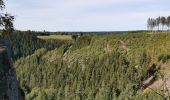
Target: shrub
(164,58)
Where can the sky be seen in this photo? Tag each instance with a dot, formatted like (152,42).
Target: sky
(85,15)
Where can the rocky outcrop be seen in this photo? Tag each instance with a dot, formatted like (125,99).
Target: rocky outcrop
(12,83)
(12,91)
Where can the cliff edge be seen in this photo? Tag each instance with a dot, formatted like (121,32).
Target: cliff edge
(9,88)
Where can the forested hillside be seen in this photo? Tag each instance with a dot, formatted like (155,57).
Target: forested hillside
(93,67)
(26,42)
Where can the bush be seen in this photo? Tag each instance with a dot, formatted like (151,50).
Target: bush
(74,37)
(164,58)
(82,41)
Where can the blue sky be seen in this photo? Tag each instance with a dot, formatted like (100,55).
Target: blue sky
(85,15)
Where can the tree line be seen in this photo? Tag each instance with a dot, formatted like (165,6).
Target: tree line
(159,23)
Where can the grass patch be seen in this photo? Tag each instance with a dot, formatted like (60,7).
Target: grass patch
(56,37)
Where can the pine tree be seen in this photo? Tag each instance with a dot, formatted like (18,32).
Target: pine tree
(163,22)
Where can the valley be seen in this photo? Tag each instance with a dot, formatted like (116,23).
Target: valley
(93,67)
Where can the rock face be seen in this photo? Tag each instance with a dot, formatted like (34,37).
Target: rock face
(11,88)
(12,83)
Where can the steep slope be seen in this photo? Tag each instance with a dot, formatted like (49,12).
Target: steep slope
(9,89)
(95,67)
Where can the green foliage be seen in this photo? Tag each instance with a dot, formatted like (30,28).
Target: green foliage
(25,43)
(106,76)
(164,58)
(109,67)
(82,42)
(74,37)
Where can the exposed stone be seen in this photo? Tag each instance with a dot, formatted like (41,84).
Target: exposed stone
(12,92)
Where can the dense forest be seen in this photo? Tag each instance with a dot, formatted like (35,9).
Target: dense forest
(25,43)
(92,67)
